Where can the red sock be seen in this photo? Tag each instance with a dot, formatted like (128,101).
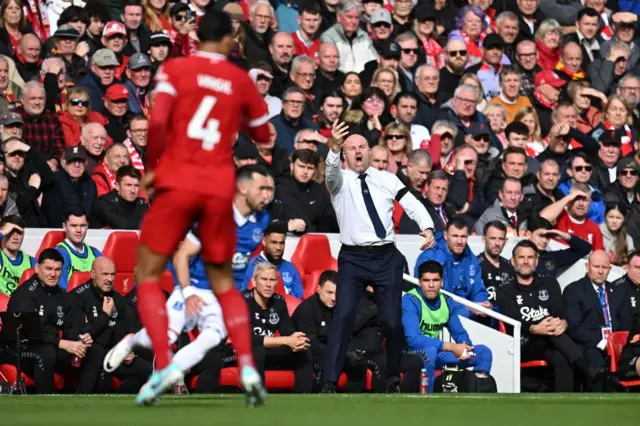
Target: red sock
(153,316)
(236,319)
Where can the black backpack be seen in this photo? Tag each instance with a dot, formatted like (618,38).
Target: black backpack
(454,380)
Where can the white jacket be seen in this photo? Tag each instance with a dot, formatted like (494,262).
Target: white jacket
(353,55)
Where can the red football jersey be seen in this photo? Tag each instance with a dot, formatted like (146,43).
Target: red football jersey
(587,230)
(210,99)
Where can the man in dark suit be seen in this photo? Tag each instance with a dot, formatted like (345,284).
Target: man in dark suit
(435,194)
(595,309)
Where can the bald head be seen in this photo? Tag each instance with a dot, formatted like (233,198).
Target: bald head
(281,48)
(598,267)
(456,44)
(328,57)
(356,153)
(29,48)
(572,56)
(379,157)
(103,274)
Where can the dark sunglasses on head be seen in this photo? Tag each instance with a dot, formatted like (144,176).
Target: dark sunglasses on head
(393,137)
(583,168)
(458,53)
(407,51)
(78,102)
(629,173)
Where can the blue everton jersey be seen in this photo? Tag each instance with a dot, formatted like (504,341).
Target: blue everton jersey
(197,274)
(249,234)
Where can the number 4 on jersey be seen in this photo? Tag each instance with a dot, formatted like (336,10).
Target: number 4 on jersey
(202,127)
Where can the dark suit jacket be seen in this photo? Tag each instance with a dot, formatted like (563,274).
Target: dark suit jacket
(584,313)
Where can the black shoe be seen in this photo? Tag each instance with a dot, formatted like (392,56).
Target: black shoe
(328,387)
(594,373)
(393,387)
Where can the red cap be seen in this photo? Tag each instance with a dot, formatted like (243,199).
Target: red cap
(113,28)
(548,77)
(116,92)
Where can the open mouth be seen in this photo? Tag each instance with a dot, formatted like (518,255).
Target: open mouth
(359,160)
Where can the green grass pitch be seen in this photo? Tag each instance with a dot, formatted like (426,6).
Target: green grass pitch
(327,410)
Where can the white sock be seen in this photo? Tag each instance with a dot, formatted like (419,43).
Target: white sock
(193,353)
(141,339)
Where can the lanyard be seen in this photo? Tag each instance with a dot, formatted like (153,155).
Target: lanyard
(607,312)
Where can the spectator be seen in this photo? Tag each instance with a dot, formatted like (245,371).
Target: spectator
(457,57)
(548,38)
(408,59)
(425,28)
(527,64)
(570,62)
(629,89)
(100,77)
(616,116)
(607,70)
(404,110)
(354,45)
(116,100)
(302,75)
(586,35)
(537,303)
(517,136)
(469,201)
(605,167)
(513,165)
(435,194)
(27,57)
(258,32)
(104,175)
(583,96)
(138,82)
(114,38)
(328,77)
(631,282)
(263,78)
(93,140)
(122,208)
(463,112)
(386,79)
(546,95)
(569,214)
(274,246)
(507,209)
(413,176)
(10,91)
(8,206)
(397,140)
(61,342)
(305,37)
(72,188)
(497,116)
(156,15)
(13,261)
(580,170)
(472,27)
(389,57)
(160,46)
(496,270)
(489,68)
(624,188)
(269,314)
(76,112)
(98,15)
(11,125)
(68,48)
(77,255)
(509,96)
(351,87)
(137,34)
(429,96)
(29,175)
(379,27)
(508,27)
(617,243)
(291,120)
(624,25)
(332,105)
(299,201)
(42,129)
(462,274)
(379,157)
(281,54)
(547,191)
(136,142)
(106,324)
(425,312)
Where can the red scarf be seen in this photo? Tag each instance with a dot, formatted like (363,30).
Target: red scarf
(543,101)
(578,75)
(490,17)
(136,161)
(434,52)
(606,33)
(35,12)
(109,176)
(625,140)
(473,50)
(485,67)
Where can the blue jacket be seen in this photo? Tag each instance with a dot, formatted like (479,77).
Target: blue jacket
(630,6)
(596,209)
(137,97)
(412,314)
(287,15)
(290,276)
(462,276)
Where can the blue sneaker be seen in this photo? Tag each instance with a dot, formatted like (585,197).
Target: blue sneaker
(254,392)
(159,382)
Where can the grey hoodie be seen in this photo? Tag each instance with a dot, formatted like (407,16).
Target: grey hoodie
(10,207)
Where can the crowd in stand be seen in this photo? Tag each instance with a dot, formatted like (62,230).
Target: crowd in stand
(504,118)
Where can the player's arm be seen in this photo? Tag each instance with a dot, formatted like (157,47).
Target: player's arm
(189,248)
(165,93)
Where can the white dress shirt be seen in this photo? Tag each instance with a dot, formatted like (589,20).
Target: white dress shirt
(345,189)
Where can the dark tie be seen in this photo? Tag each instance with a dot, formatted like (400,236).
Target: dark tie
(371,208)
(443,215)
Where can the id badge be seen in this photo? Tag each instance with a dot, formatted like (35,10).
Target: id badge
(606,331)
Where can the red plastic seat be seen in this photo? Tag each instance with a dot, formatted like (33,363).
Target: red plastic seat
(10,372)
(4,302)
(292,303)
(279,287)
(528,364)
(26,275)
(615,344)
(50,240)
(311,284)
(77,279)
(313,253)
(122,248)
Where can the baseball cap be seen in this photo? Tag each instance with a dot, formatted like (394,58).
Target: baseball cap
(114,28)
(373,1)
(159,37)
(116,92)
(9,118)
(390,50)
(479,129)
(75,153)
(624,18)
(245,150)
(548,77)
(492,40)
(627,163)
(380,15)
(105,58)
(66,31)
(235,11)
(425,12)
(177,8)
(139,60)
(609,137)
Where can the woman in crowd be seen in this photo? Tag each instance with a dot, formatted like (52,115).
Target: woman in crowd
(156,14)
(424,26)
(617,242)
(397,140)
(617,115)
(497,117)
(13,26)
(351,86)
(472,26)
(76,112)
(529,117)
(581,94)
(548,40)
(369,114)
(387,80)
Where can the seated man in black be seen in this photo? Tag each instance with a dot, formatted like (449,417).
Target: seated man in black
(629,363)
(313,317)
(106,323)
(42,294)
(269,314)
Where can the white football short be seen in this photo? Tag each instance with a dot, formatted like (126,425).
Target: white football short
(210,316)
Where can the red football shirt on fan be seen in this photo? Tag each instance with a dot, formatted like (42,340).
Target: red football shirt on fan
(587,230)
(202,102)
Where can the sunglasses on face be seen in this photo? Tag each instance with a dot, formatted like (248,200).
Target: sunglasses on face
(80,102)
(263,78)
(583,168)
(393,137)
(481,138)
(180,18)
(446,136)
(470,162)
(16,154)
(629,173)
(408,51)
(458,53)
(382,25)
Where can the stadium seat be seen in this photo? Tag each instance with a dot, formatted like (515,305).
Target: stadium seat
(538,363)
(310,286)
(279,287)
(615,343)
(122,248)
(50,240)
(77,279)
(4,302)
(10,373)
(313,253)
(292,303)
(26,275)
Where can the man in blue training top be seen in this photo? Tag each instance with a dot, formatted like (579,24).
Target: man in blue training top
(78,256)
(425,312)
(462,273)
(273,242)
(250,216)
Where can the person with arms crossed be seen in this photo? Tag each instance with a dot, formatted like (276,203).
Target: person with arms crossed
(199,105)
(359,193)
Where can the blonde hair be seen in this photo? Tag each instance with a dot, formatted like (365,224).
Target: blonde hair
(623,102)
(408,147)
(153,17)
(500,108)
(522,113)
(264,266)
(547,26)
(396,84)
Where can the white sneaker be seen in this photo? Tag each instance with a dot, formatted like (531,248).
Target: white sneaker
(254,392)
(117,354)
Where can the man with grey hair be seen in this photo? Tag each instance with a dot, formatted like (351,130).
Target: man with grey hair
(94,140)
(629,89)
(42,130)
(353,43)
(427,83)
(508,27)
(303,75)
(291,120)
(258,32)
(605,72)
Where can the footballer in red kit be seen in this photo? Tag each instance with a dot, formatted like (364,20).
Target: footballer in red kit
(201,103)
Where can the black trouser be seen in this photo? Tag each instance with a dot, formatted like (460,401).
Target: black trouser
(596,358)
(39,361)
(560,352)
(410,366)
(356,375)
(628,368)
(283,358)
(208,372)
(359,267)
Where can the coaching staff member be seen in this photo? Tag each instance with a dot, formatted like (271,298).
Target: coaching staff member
(362,198)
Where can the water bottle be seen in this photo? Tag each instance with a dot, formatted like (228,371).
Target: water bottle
(424,381)
(76,361)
